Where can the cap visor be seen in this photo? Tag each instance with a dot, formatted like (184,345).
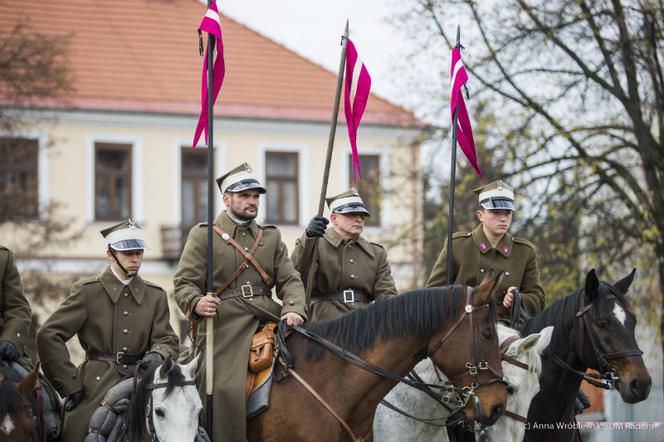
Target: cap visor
(494,204)
(245,185)
(129,244)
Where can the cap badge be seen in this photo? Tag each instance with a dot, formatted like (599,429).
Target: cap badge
(247,168)
(354,192)
(499,186)
(132,224)
(483,246)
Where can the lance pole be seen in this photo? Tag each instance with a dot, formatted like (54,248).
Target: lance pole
(209,322)
(450,216)
(328,158)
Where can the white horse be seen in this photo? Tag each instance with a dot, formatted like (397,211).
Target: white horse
(164,405)
(392,426)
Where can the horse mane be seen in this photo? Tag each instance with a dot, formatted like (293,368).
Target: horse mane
(417,313)
(562,314)
(136,414)
(11,401)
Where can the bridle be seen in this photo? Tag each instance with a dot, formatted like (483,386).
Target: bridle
(463,394)
(504,346)
(152,387)
(609,377)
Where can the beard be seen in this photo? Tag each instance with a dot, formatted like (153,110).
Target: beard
(244,215)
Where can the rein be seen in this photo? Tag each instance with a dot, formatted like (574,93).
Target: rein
(609,378)
(466,392)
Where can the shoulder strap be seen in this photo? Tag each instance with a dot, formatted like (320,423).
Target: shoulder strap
(248,256)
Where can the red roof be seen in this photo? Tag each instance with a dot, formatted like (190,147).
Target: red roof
(142,56)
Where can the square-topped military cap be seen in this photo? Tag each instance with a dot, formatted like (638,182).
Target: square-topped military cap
(239,179)
(126,235)
(347,202)
(497,195)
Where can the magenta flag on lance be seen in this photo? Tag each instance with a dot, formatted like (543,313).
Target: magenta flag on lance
(465,138)
(356,94)
(211,24)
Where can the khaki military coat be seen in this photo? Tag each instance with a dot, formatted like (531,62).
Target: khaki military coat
(16,314)
(474,257)
(237,318)
(341,265)
(107,316)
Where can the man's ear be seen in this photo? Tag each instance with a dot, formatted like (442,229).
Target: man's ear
(480,215)
(226,197)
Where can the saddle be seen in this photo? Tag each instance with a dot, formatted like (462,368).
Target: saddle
(259,375)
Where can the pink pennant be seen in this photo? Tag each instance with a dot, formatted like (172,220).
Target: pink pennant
(356,94)
(211,24)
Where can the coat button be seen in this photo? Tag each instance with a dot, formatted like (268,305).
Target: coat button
(18,335)
(124,365)
(126,295)
(158,347)
(246,249)
(244,233)
(291,302)
(124,349)
(507,273)
(73,375)
(482,270)
(351,260)
(125,313)
(353,276)
(125,331)
(98,378)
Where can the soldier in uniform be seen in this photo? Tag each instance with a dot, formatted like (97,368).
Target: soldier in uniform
(120,320)
(15,323)
(491,248)
(350,271)
(249,260)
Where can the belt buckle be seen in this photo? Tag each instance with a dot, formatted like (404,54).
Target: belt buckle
(119,355)
(349,296)
(248,293)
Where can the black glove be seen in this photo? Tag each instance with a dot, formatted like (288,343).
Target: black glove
(151,360)
(73,400)
(8,351)
(316,226)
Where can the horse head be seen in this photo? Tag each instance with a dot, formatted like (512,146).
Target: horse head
(168,401)
(468,353)
(16,420)
(608,342)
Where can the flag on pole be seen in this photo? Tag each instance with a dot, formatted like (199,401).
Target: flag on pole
(211,24)
(465,138)
(356,94)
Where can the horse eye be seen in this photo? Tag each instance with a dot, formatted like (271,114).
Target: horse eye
(486,333)
(159,412)
(602,324)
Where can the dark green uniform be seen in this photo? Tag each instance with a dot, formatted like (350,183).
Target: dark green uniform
(238,317)
(358,265)
(108,317)
(474,257)
(15,314)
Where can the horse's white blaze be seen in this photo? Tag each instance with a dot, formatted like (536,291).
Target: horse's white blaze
(619,313)
(7,425)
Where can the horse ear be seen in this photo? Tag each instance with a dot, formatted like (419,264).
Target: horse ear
(592,284)
(166,367)
(192,366)
(487,288)
(623,284)
(545,339)
(28,383)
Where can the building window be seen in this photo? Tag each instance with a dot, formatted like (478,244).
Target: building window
(369,185)
(112,181)
(19,190)
(194,186)
(281,176)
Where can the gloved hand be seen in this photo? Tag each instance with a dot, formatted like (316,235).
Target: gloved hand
(73,400)
(151,360)
(8,351)
(316,226)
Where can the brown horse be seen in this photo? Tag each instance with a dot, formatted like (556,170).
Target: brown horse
(452,325)
(16,419)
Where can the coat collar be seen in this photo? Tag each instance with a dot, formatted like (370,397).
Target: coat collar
(229,226)
(504,246)
(335,240)
(114,287)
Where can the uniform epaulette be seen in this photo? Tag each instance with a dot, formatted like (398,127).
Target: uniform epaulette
(376,244)
(152,284)
(524,241)
(267,226)
(3,247)
(88,280)
(202,224)
(456,235)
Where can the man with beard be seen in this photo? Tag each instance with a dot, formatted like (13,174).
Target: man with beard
(249,260)
(349,272)
(491,248)
(120,320)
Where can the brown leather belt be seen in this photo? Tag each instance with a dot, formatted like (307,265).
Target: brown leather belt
(349,296)
(246,291)
(119,357)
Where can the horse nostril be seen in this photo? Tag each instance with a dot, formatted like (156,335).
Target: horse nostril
(496,412)
(639,386)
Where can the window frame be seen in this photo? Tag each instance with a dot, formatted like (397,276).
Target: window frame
(274,184)
(34,169)
(377,213)
(128,148)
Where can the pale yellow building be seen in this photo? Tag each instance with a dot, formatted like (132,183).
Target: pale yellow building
(119,146)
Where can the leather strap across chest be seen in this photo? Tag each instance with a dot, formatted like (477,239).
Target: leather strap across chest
(248,258)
